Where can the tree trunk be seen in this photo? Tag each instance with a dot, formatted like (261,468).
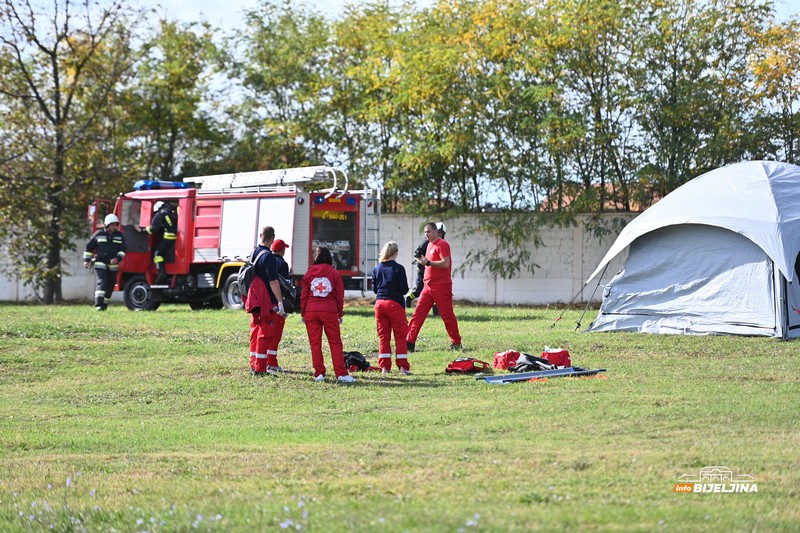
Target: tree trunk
(52,284)
(55,208)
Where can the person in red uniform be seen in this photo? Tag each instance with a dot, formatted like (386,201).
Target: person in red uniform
(322,308)
(262,304)
(419,284)
(438,289)
(390,284)
(278,249)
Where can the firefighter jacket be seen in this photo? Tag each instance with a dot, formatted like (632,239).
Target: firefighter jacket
(164,225)
(103,247)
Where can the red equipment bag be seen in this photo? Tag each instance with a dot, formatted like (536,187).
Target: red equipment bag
(505,359)
(557,357)
(467,365)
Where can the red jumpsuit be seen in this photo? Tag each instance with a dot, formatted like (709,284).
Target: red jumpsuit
(438,290)
(321,306)
(263,323)
(390,284)
(280,322)
(275,339)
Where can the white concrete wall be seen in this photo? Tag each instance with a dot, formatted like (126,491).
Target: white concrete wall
(566,258)
(76,282)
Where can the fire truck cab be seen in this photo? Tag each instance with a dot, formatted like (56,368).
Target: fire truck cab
(219,219)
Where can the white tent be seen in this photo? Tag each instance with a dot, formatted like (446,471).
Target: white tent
(715,256)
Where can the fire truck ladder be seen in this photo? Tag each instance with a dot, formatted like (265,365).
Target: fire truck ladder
(270,180)
(371,213)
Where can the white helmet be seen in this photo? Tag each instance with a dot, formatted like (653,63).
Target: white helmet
(441,227)
(111,219)
(159,205)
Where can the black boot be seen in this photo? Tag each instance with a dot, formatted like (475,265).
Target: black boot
(162,278)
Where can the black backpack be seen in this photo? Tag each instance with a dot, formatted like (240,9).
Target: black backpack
(356,359)
(289,294)
(247,272)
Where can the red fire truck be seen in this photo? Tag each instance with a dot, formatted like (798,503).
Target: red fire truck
(219,218)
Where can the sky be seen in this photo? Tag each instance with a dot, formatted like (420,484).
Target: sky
(228,14)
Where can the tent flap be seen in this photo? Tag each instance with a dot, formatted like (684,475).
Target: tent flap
(692,279)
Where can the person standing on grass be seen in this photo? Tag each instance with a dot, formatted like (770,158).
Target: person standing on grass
(106,249)
(390,284)
(278,249)
(419,284)
(438,290)
(322,308)
(264,302)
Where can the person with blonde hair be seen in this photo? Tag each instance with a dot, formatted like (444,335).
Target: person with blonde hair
(390,284)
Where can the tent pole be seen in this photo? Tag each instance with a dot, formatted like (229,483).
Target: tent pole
(567,306)
(599,279)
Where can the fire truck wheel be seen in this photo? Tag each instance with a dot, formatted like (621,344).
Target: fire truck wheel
(138,296)
(230,294)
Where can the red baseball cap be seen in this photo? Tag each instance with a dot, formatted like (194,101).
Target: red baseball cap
(279,245)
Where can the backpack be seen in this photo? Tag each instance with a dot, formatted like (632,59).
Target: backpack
(467,365)
(247,272)
(289,294)
(355,359)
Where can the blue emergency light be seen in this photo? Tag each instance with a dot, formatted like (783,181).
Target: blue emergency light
(147,185)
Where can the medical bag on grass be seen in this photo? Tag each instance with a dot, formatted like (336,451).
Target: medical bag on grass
(505,359)
(467,365)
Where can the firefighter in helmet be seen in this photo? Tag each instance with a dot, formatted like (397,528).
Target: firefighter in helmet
(106,249)
(165,227)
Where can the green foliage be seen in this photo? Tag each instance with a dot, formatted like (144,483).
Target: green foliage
(58,84)
(279,59)
(516,236)
(556,107)
(150,422)
(167,111)
(777,89)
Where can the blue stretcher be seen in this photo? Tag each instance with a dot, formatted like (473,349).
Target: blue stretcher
(525,376)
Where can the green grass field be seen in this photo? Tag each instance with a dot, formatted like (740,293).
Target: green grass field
(123,421)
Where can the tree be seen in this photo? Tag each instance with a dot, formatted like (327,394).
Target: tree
(440,91)
(694,96)
(279,59)
(359,93)
(60,68)
(777,84)
(167,109)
